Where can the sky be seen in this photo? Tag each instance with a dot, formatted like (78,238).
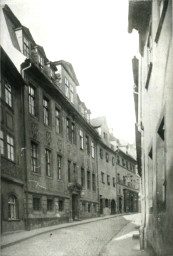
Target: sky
(93,36)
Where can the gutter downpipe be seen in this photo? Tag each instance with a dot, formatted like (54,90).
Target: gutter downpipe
(25,146)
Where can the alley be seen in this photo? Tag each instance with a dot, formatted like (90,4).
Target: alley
(82,240)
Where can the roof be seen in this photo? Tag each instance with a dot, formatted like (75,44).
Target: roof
(69,68)
(98,121)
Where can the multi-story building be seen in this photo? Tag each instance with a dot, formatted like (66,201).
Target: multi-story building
(117,177)
(12,139)
(59,143)
(106,168)
(127,182)
(153,79)
(56,165)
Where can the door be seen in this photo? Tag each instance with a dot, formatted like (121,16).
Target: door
(74,207)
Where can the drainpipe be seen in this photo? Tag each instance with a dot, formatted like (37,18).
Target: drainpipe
(25,146)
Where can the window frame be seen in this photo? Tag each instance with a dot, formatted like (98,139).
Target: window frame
(48,162)
(11,147)
(12,206)
(46,113)
(8,94)
(59,167)
(81,139)
(92,149)
(32,100)
(34,158)
(2,143)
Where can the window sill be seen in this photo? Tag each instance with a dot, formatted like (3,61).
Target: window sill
(36,173)
(49,177)
(33,116)
(10,220)
(6,158)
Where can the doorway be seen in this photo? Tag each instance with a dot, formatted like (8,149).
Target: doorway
(113,207)
(75,212)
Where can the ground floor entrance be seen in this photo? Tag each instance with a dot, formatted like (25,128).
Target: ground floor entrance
(75,206)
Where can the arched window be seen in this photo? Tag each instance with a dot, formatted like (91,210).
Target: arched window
(12,207)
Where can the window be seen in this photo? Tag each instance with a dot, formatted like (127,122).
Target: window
(68,127)
(124,180)
(61,205)
(126,164)
(82,177)
(12,207)
(118,177)
(26,47)
(46,111)
(81,139)
(71,94)
(1,142)
(48,162)
(102,176)
(74,171)
(10,147)
(31,91)
(8,94)
(105,135)
(106,203)
(36,203)
(89,207)
(123,162)
(88,180)
(87,145)
(34,157)
(113,180)
(108,179)
(93,182)
(92,149)
(94,207)
(69,171)
(161,130)
(113,161)
(66,88)
(83,207)
(49,205)
(57,120)
(101,153)
(59,167)
(107,157)
(41,60)
(118,159)
(73,133)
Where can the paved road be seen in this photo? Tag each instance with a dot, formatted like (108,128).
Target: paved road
(83,240)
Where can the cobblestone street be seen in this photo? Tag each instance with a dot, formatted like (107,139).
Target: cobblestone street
(82,240)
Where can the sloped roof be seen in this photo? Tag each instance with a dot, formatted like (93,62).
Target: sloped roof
(69,68)
(98,121)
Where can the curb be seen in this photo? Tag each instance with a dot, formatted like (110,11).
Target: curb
(58,228)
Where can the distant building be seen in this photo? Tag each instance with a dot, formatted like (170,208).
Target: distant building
(118,180)
(106,168)
(153,94)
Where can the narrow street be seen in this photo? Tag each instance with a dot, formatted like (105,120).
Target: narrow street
(82,240)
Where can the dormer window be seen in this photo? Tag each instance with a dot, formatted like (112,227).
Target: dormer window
(66,88)
(71,94)
(26,49)
(41,60)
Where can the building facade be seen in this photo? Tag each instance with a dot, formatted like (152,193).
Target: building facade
(12,138)
(153,79)
(127,183)
(57,165)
